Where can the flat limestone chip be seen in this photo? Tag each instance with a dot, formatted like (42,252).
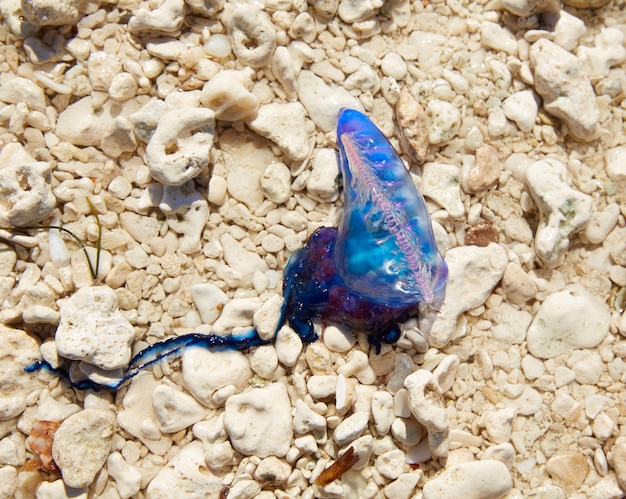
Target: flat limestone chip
(206,372)
(259,422)
(567,320)
(138,418)
(82,444)
(561,80)
(174,409)
(488,479)
(186,475)
(245,156)
(473,273)
(285,125)
(17,350)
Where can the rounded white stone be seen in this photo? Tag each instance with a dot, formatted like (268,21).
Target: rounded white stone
(322,101)
(391,464)
(561,80)
(102,67)
(218,46)
(498,38)
(441,183)
(285,125)
(228,95)
(25,185)
(567,320)
(608,51)
(186,471)
(351,428)
(564,210)
(521,107)
(264,361)
(393,65)
(616,164)
(120,187)
(265,319)
(276,183)
(123,87)
(407,431)
(382,411)
(499,424)
(40,314)
(127,478)
(428,411)
(259,421)
(602,223)
(19,89)
(288,346)
(322,386)
(352,11)
(444,121)
(603,426)
(338,339)
(473,273)
(165,19)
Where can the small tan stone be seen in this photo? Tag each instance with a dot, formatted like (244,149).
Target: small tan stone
(519,287)
(619,463)
(118,275)
(569,467)
(413,126)
(318,359)
(486,170)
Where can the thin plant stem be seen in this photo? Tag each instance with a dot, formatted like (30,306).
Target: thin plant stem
(93,270)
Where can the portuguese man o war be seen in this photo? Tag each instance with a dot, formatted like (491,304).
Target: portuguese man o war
(369,274)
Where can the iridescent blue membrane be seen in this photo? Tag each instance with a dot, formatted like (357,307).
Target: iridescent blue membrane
(368,275)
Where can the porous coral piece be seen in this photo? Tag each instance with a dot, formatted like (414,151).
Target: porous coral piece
(93,329)
(179,149)
(251,33)
(25,194)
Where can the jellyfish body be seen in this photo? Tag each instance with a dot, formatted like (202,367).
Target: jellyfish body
(382,262)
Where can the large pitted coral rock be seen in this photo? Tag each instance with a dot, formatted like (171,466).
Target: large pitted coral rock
(93,329)
(179,149)
(17,350)
(25,187)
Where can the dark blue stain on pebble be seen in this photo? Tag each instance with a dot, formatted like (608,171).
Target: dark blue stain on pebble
(369,274)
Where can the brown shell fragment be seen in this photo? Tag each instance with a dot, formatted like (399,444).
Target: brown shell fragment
(481,234)
(40,442)
(413,126)
(338,468)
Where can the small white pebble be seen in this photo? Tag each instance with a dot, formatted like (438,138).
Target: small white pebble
(393,65)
